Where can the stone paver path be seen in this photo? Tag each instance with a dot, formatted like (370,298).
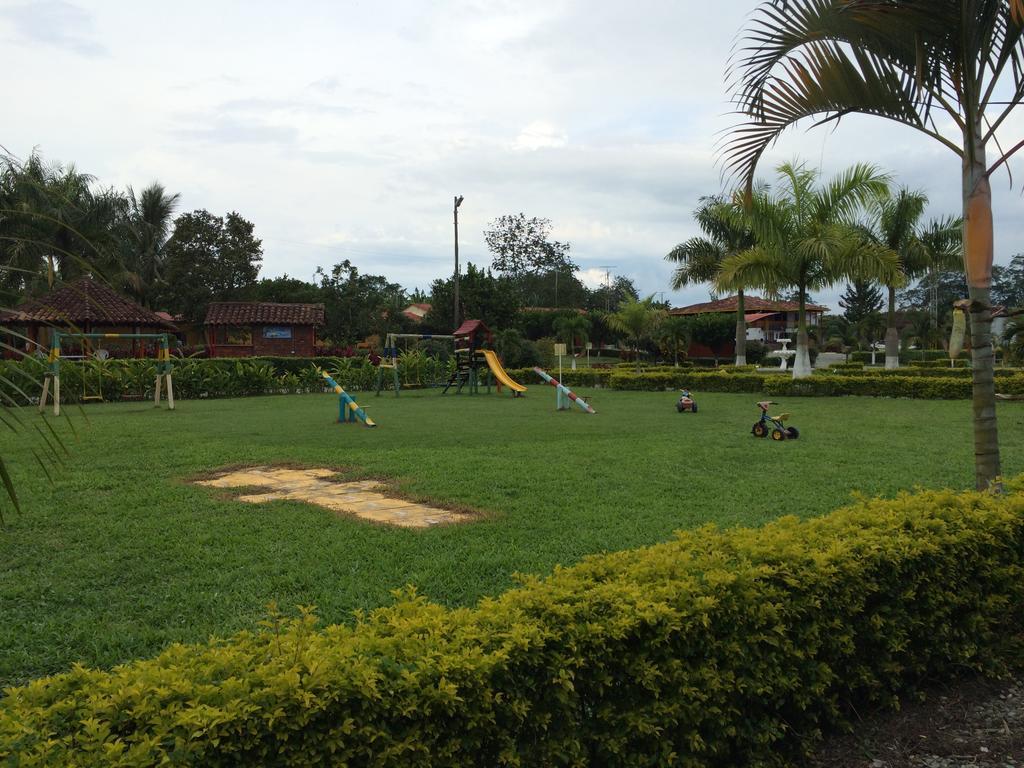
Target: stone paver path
(361,498)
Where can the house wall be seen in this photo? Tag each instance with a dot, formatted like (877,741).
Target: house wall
(264,341)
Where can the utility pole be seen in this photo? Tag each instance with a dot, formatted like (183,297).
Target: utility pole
(608,285)
(455,211)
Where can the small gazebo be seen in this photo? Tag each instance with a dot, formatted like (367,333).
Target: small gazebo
(84,305)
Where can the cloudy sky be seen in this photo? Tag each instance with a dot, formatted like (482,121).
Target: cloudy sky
(344,129)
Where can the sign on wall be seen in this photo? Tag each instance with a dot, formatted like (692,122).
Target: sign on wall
(277,332)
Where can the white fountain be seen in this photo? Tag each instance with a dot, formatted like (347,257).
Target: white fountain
(785,353)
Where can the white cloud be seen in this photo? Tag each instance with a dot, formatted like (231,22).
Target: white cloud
(344,130)
(540,135)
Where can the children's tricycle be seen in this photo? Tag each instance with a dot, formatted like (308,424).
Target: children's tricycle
(773,425)
(686,402)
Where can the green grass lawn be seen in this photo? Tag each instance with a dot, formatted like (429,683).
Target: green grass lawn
(122,555)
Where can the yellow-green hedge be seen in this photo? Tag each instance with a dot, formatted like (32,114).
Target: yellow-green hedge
(868,384)
(719,648)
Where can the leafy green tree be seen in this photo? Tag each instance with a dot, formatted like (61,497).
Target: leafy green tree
(286,290)
(714,331)
(482,296)
(514,350)
(524,246)
(637,320)
(951,69)
(861,298)
(359,305)
(1008,283)
(726,233)
(209,258)
(806,240)
(938,289)
(608,298)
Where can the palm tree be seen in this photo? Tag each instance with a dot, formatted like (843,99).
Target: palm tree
(637,319)
(675,331)
(700,258)
(150,216)
(943,242)
(572,328)
(806,240)
(951,69)
(894,225)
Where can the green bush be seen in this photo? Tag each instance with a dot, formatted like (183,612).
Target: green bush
(581,377)
(123,379)
(697,380)
(960,362)
(873,384)
(719,648)
(918,355)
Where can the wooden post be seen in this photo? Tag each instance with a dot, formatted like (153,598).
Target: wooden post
(170,392)
(156,391)
(56,395)
(46,391)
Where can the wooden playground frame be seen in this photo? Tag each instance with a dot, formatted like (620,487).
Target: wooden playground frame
(163,365)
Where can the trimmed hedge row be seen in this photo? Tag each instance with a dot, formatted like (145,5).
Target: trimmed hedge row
(917,355)
(872,385)
(946,373)
(581,377)
(734,647)
(123,379)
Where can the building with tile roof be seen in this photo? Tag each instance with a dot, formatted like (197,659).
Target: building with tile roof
(767,320)
(247,328)
(85,305)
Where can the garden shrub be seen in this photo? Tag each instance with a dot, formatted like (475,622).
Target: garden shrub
(718,648)
(919,355)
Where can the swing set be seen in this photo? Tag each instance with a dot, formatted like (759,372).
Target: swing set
(52,375)
(390,358)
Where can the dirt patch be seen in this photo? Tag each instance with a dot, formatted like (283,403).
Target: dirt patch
(364,499)
(973,722)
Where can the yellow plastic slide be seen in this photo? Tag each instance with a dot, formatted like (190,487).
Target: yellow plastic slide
(499,372)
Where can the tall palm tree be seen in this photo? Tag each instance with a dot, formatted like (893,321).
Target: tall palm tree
(894,225)
(951,69)
(675,331)
(943,242)
(637,319)
(700,258)
(806,240)
(150,216)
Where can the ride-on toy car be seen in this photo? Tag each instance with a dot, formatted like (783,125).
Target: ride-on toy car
(773,425)
(686,402)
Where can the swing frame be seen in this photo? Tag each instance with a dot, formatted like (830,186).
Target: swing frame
(164,366)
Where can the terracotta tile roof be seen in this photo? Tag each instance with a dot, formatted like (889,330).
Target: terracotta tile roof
(86,300)
(249,312)
(417,312)
(750,304)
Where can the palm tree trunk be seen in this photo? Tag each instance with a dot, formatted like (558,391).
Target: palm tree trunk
(978,250)
(892,336)
(802,360)
(741,331)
